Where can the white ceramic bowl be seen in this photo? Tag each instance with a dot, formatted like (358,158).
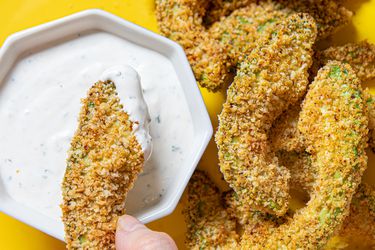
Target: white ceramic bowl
(48,34)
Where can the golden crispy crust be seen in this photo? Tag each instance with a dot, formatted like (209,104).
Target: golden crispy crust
(213,54)
(221,8)
(181,21)
(240,31)
(329,15)
(359,226)
(211,226)
(255,99)
(334,123)
(208,223)
(246,216)
(302,172)
(285,135)
(103,163)
(361,56)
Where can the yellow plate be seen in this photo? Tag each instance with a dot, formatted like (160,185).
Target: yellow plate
(16,15)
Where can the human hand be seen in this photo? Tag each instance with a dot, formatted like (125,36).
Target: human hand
(133,235)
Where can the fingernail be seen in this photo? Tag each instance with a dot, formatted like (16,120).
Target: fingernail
(128,223)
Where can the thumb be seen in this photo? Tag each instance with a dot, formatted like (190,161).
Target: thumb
(133,235)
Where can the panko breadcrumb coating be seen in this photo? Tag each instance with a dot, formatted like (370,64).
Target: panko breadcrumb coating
(302,172)
(221,8)
(208,223)
(247,216)
(359,226)
(370,101)
(329,15)
(361,56)
(203,199)
(240,31)
(103,163)
(334,122)
(181,21)
(273,76)
(284,134)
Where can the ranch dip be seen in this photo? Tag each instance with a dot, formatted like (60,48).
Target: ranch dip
(40,103)
(129,89)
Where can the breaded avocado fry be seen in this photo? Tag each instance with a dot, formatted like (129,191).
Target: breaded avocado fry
(181,21)
(247,216)
(284,134)
(361,56)
(329,15)
(302,173)
(103,162)
(271,78)
(334,123)
(221,8)
(241,30)
(359,226)
(208,224)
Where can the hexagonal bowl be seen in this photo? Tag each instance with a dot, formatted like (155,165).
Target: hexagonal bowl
(39,37)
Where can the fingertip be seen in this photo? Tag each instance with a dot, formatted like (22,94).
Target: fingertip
(132,234)
(169,241)
(127,223)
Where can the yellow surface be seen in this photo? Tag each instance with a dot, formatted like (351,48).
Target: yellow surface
(16,15)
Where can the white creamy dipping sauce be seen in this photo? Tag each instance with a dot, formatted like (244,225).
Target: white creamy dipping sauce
(40,103)
(129,89)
